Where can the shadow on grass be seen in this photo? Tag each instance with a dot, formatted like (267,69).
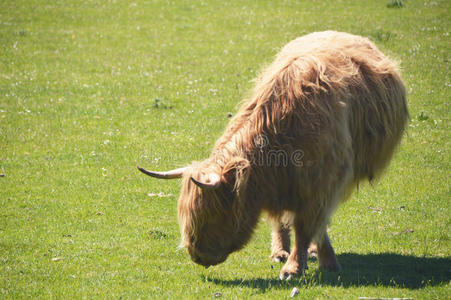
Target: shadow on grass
(386,269)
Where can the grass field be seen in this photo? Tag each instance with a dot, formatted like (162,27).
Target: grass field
(88,89)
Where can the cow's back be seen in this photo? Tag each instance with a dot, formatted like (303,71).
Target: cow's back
(355,73)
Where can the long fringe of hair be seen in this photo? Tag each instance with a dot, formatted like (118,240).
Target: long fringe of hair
(334,96)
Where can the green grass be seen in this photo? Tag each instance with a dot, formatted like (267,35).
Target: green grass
(89,89)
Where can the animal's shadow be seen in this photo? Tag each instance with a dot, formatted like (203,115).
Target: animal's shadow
(386,269)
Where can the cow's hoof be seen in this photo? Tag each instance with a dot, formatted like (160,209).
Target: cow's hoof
(280,256)
(313,251)
(285,276)
(291,270)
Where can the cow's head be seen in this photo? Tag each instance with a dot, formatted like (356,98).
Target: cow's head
(214,217)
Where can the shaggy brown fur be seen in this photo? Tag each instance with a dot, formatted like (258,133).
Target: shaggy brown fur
(332,99)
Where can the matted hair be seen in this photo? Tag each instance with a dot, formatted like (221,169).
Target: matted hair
(327,113)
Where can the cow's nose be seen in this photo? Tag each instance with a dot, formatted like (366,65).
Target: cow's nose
(196,258)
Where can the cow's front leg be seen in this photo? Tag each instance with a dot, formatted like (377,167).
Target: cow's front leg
(280,245)
(326,255)
(297,261)
(313,250)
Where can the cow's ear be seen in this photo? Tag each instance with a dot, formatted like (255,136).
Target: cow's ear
(235,173)
(210,182)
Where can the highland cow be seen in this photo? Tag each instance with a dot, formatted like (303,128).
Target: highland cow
(326,114)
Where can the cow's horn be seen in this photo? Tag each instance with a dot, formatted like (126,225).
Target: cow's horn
(213,183)
(177,173)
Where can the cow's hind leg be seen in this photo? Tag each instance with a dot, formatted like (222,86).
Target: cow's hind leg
(280,245)
(326,255)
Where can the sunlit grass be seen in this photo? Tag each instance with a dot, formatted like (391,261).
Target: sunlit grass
(89,89)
